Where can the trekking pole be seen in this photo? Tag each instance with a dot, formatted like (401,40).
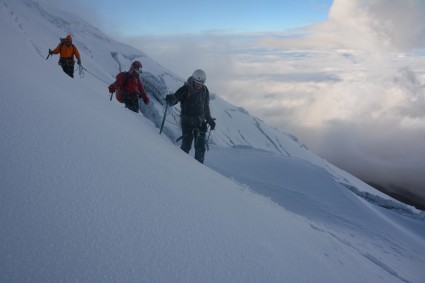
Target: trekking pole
(110,98)
(163,118)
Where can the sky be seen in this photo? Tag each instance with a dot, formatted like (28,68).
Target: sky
(90,191)
(166,17)
(346,77)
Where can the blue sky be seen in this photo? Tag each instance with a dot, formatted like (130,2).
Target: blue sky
(141,17)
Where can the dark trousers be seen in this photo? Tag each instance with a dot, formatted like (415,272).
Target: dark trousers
(197,135)
(67,66)
(131,102)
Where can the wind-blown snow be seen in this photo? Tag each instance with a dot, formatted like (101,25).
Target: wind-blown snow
(90,192)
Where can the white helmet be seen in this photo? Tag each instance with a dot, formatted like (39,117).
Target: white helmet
(199,76)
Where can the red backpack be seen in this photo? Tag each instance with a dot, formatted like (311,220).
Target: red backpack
(118,95)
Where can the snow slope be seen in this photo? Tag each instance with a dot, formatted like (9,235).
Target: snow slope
(90,192)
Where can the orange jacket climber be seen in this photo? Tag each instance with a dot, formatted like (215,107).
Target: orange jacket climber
(67,51)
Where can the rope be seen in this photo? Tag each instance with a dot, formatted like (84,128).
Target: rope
(170,110)
(82,72)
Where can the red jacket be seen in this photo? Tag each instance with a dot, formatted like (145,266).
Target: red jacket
(133,86)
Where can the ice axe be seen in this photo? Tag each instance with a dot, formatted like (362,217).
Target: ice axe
(50,53)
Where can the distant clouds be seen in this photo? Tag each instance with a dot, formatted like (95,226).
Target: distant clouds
(350,88)
(373,25)
(396,25)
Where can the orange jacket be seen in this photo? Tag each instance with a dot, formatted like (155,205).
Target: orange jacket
(67,52)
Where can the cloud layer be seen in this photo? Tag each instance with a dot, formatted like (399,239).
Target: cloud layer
(351,88)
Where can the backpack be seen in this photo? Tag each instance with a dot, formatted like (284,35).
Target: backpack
(120,91)
(188,107)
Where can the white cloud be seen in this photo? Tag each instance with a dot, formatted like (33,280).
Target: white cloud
(349,87)
(373,26)
(380,24)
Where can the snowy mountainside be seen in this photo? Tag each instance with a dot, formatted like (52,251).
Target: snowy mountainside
(103,58)
(89,192)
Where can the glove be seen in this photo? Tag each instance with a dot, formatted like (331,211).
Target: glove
(211,122)
(50,52)
(111,88)
(170,99)
(79,62)
(146,100)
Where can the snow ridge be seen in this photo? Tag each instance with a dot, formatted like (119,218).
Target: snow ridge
(90,192)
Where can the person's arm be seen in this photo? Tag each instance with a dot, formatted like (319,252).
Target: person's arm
(173,99)
(77,55)
(57,50)
(207,106)
(142,93)
(210,120)
(118,82)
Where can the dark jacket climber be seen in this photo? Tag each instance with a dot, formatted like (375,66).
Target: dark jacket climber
(129,88)
(195,113)
(67,51)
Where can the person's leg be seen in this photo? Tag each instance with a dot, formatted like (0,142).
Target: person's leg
(200,140)
(134,105)
(71,69)
(68,68)
(131,102)
(187,138)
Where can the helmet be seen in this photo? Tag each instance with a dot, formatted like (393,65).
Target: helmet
(68,37)
(199,76)
(136,65)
